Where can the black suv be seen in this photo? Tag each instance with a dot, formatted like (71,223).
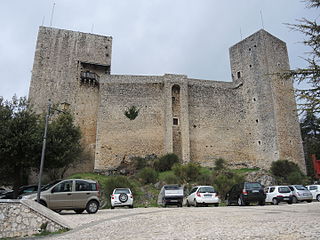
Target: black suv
(245,193)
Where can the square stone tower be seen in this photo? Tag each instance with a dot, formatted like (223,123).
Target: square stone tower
(68,67)
(269,100)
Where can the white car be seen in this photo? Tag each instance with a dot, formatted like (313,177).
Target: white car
(121,197)
(315,190)
(203,195)
(276,194)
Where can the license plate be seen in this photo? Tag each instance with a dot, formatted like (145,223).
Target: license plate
(173,200)
(305,194)
(255,191)
(208,195)
(285,198)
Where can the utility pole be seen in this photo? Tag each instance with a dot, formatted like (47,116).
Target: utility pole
(43,150)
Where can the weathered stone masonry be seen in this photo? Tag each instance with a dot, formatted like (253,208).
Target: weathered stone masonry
(251,121)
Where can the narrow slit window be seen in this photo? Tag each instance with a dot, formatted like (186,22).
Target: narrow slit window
(175,121)
(239,74)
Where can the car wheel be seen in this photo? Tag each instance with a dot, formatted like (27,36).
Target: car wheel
(309,201)
(92,206)
(262,203)
(112,207)
(318,198)
(275,201)
(240,202)
(228,203)
(216,204)
(290,202)
(188,204)
(79,211)
(131,206)
(196,204)
(123,197)
(294,199)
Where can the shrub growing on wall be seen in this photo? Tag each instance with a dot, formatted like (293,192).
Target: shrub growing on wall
(132,112)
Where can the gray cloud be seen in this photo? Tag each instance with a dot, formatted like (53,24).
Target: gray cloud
(149,36)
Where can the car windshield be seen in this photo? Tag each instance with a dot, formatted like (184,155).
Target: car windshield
(252,185)
(300,187)
(46,187)
(172,187)
(284,190)
(124,190)
(206,190)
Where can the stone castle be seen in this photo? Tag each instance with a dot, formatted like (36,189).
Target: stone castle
(250,122)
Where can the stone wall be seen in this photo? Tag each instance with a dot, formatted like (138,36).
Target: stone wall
(250,122)
(26,218)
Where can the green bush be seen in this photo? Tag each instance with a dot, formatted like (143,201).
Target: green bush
(282,168)
(219,164)
(223,181)
(166,162)
(287,172)
(295,178)
(187,172)
(169,178)
(139,162)
(148,175)
(205,179)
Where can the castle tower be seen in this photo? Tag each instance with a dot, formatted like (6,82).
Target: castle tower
(271,115)
(67,69)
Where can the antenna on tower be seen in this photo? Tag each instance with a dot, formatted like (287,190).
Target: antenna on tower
(92,28)
(261,19)
(54,4)
(43,18)
(240,33)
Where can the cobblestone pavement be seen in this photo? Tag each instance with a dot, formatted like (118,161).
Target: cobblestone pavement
(297,221)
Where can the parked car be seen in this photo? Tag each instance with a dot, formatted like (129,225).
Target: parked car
(276,194)
(121,197)
(300,193)
(9,194)
(203,195)
(70,194)
(315,191)
(5,193)
(171,195)
(245,193)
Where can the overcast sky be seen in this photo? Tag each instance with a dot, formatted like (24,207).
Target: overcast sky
(149,36)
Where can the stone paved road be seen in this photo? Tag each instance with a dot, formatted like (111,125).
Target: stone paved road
(298,221)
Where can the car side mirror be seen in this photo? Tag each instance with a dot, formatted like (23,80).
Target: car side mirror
(52,190)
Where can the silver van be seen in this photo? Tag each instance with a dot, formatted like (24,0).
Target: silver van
(70,194)
(171,195)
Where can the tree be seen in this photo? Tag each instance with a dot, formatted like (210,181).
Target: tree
(311,74)
(63,145)
(19,141)
(21,135)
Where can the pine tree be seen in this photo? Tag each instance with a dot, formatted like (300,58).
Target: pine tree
(309,97)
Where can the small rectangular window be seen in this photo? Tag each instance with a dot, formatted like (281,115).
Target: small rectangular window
(175,121)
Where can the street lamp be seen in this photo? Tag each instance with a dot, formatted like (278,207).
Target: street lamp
(43,149)
(65,106)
